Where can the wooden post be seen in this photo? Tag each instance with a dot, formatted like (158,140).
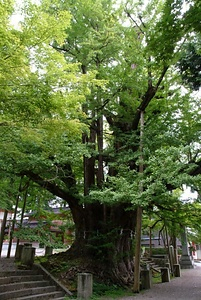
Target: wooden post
(137,251)
(22,215)
(150,240)
(3,226)
(14,219)
(176,256)
(136,288)
(13,227)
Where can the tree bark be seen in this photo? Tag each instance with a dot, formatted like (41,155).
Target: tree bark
(3,226)
(100,173)
(109,241)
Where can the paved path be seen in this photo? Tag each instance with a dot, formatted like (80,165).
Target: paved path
(186,287)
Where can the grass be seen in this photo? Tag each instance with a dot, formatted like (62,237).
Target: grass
(111,291)
(156,278)
(102,291)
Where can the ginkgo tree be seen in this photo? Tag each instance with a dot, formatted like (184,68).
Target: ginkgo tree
(34,79)
(78,134)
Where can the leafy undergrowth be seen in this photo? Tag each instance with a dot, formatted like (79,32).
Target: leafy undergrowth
(66,270)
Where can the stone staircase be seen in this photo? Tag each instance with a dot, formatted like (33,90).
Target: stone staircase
(35,283)
(148,263)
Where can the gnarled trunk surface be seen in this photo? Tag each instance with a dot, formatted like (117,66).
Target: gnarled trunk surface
(105,235)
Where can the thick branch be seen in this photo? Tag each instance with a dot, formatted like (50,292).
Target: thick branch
(148,96)
(133,20)
(53,188)
(197,169)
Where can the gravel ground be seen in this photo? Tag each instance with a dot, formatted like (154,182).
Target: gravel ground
(186,287)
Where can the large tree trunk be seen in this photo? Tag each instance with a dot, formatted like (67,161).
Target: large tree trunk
(107,237)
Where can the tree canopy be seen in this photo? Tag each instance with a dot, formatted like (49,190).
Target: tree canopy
(74,80)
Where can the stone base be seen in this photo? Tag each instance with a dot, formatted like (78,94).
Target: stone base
(186,262)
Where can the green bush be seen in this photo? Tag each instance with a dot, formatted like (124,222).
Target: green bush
(158,251)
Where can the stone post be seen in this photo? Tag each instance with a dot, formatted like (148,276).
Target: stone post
(167,265)
(19,249)
(165,274)
(177,271)
(146,279)
(48,250)
(176,256)
(27,256)
(186,261)
(18,252)
(85,286)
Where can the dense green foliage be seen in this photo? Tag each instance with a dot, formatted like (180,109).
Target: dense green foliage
(74,79)
(190,66)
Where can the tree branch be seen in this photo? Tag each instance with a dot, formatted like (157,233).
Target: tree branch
(148,96)
(53,188)
(197,169)
(140,29)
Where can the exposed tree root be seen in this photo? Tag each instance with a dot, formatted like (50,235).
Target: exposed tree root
(66,268)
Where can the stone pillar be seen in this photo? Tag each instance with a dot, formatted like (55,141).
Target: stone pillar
(18,252)
(85,286)
(177,271)
(167,265)
(185,249)
(171,257)
(165,274)
(176,256)
(146,279)
(186,260)
(27,256)
(48,250)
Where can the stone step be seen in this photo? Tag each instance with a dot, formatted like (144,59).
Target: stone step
(23,285)
(151,264)
(35,283)
(28,293)
(17,273)
(12,279)
(7,264)
(156,269)
(48,296)
(8,260)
